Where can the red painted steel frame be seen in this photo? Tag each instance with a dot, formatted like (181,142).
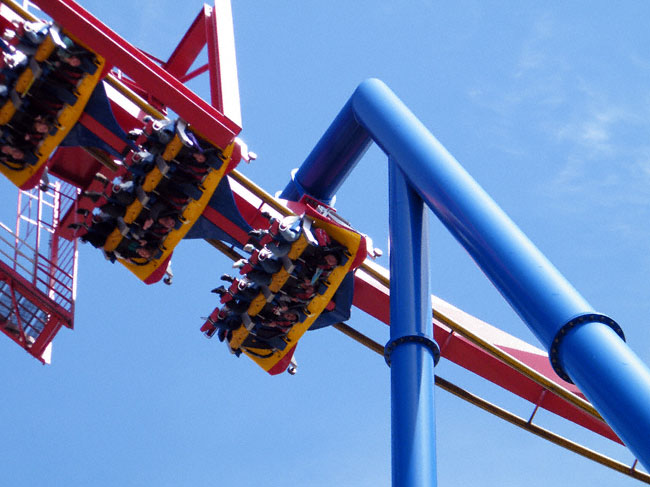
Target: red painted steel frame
(204,118)
(211,28)
(222,60)
(188,48)
(213,58)
(58,317)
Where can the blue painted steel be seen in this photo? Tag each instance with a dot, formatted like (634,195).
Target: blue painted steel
(412,363)
(332,160)
(529,282)
(614,379)
(534,288)
(505,254)
(554,352)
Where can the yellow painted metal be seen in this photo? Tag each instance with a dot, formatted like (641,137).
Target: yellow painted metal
(7,112)
(237,338)
(351,241)
(173,148)
(132,212)
(27,78)
(134,98)
(151,180)
(143,268)
(19,10)
(278,280)
(257,304)
(113,240)
(67,117)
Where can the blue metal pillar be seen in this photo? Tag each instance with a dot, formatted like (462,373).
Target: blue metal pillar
(614,379)
(584,346)
(332,160)
(411,351)
(610,375)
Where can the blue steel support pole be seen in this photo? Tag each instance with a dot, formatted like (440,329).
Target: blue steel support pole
(610,375)
(332,160)
(411,351)
(598,361)
(614,379)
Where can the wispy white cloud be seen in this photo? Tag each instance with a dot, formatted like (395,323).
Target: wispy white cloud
(588,123)
(594,134)
(591,129)
(533,55)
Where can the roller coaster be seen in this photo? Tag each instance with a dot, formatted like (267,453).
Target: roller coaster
(108,146)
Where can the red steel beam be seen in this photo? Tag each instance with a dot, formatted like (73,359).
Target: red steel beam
(28,290)
(147,74)
(226,225)
(222,59)
(213,58)
(102,132)
(58,316)
(195,73)
(188,48)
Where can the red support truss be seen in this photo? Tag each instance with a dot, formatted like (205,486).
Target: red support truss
(212,28)
(38,265)
(37,271)
(161,80)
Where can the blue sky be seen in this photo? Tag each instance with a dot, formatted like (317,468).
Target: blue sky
(547,106)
